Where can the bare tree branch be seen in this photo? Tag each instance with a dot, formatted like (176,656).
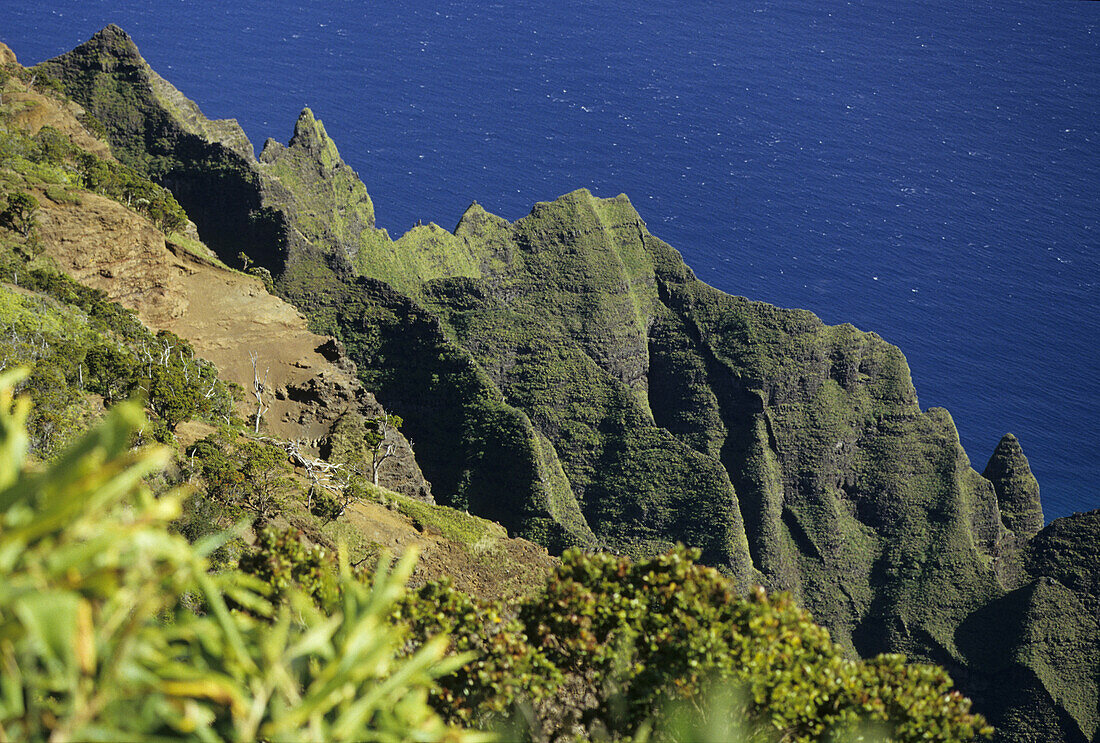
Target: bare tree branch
(259,387)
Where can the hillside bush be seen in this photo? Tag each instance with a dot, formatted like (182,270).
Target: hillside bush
(287,562)
(507,668)
(242,473)
(18,212)
(609,642)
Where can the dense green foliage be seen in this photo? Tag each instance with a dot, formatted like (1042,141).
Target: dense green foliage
(49,161)
(18,213)
(636,636)
(97,643)
(508,668)
(125,185)
(285,562)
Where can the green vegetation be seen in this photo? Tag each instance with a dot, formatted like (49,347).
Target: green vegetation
(76,344)
(451,524)
(99,643)
(285,562)
(243,474)
(49,161)
(637,636)
(124,185)
(18,213)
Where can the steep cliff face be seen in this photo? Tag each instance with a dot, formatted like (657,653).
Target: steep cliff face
(325,202)
(1034,654)
(177,284)
(568,376)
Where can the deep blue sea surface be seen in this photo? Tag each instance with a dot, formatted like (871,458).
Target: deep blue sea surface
(928,170)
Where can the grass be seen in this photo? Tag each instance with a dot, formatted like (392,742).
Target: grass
(456,526)
(196,248)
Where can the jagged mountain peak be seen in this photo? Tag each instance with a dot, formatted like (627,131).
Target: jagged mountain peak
(113,31)
(309,131)
(311,139)
(1016,487)
(93,65)
(475,219)
(113,40)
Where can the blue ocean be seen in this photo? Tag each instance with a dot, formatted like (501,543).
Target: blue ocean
(926,170)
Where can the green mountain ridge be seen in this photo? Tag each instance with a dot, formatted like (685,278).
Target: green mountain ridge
(568,376)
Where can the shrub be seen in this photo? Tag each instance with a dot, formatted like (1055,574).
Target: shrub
(619,641)
(507,669)
(125,185)
(284,561)
(243,473)
(18,213)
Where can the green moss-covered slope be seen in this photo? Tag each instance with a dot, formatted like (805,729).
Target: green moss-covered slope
(479,452)
(1034,654)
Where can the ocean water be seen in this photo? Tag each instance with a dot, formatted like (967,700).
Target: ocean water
(928,170)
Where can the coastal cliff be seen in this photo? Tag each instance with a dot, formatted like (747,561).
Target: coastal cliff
(567,376)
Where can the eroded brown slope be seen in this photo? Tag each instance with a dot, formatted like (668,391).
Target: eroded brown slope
(32,110)
(225,315)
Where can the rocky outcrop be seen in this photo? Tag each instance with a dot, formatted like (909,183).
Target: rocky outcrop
(327,210)
(152,127)
(1016,488)
(7,56)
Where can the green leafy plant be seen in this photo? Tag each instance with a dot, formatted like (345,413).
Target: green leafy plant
(507,668)
(97,641)
(664,628)
(243,473)
(285,562)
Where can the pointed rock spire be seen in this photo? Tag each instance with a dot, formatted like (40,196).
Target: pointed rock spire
(309,132)
(311,140)
(110,46)
(1016,488)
